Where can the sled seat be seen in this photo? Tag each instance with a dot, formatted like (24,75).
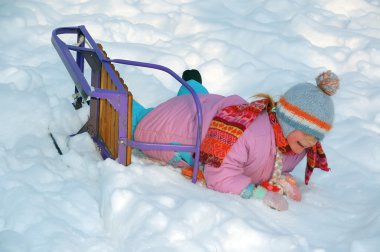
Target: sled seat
(108,119)
(99,84)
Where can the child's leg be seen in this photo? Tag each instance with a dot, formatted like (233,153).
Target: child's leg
(138,113)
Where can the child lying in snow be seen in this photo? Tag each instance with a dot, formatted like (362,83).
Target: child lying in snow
(248,149)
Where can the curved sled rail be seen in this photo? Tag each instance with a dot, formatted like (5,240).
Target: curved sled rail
(117,98)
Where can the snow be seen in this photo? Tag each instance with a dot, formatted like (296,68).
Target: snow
(79,202)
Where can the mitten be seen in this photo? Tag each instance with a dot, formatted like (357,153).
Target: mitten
(271,199)
(275,201)
(290,188)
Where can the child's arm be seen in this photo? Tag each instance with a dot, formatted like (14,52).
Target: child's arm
(288,182)
(230,178)
(227,178)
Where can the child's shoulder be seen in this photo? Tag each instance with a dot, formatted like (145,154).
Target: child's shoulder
(262,126)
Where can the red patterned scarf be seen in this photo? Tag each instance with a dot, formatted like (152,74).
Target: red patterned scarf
(231,122)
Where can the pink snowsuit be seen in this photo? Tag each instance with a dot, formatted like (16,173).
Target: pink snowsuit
(251,158)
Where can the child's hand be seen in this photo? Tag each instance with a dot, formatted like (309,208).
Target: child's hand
(291,190)
(272,199)
(275,201)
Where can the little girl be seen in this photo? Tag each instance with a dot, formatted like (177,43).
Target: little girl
(248,149)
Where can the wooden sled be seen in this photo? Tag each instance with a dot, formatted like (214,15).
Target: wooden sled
(110,121)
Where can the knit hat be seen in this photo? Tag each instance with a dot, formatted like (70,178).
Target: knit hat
(309,108)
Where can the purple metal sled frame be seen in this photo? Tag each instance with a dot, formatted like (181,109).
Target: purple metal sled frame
(119,98)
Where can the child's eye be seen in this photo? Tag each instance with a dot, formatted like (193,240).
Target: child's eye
(299,143)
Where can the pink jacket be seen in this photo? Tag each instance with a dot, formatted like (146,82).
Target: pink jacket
(251,158)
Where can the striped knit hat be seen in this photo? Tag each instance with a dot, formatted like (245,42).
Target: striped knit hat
(309,108)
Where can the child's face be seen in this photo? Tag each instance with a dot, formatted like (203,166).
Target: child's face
(299,141)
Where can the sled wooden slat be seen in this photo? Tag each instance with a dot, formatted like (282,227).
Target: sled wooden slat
(129,126)
(102,106)
(108,116)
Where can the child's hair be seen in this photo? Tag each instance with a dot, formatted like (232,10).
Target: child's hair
(271,102)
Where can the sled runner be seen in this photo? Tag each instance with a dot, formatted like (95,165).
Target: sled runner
(98,83)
